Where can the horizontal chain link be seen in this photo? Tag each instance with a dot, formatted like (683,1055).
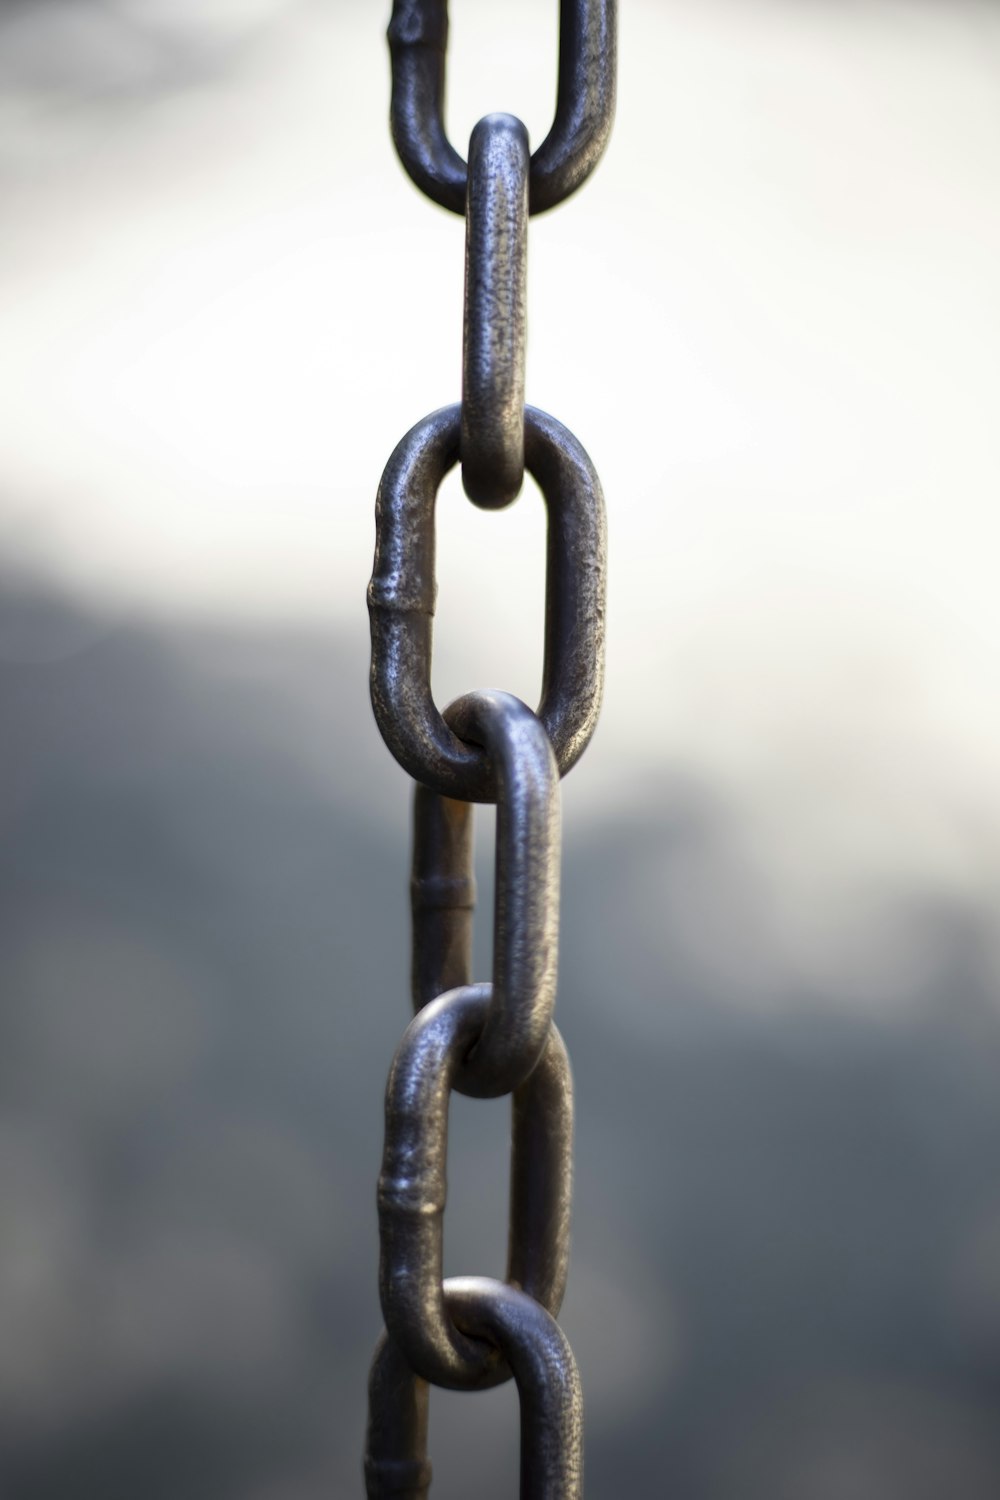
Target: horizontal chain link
(402,596)
(585,101)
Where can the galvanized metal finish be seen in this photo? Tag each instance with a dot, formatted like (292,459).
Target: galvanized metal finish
(495,333)
(533,1347)
(412,1188)
(585,102)
(401,598)
(498,1038)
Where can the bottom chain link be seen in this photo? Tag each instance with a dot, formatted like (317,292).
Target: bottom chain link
(530,1341)
(412,1188)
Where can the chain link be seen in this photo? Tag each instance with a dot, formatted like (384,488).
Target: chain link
(413,1188)
(491,1039)
(402,594)
(585,101)
(537,1352)
(495,329)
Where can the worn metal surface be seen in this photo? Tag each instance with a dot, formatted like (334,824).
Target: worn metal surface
(532,1347)
(585,101)
(401,598)
(396,1462)
(495,325)
(548,1383)
(442,895)
(412,1188)
(526,898)
(497,1038)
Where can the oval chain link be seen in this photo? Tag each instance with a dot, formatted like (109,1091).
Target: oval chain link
(526,901)
(494,334)
(498,1038)
(402,596)
(412,1188)
(585,101)
(535,1349)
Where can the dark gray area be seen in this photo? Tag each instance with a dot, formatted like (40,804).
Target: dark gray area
(786,1279)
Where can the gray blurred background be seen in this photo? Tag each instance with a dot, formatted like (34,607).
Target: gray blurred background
(773,318)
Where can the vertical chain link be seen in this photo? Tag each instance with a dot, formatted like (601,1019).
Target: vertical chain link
(495,329)
(402,593)
(490,1039)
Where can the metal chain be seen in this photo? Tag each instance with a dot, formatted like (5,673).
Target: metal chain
(485,1040)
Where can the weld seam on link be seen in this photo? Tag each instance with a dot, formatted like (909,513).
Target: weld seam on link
(442,895)
(396,1462)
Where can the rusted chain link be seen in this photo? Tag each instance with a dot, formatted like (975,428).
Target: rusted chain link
(485,1039)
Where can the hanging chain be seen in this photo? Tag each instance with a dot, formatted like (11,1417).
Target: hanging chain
(485,1040)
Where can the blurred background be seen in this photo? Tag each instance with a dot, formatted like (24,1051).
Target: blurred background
(773,318)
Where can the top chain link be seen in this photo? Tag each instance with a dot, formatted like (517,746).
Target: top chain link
(585,101)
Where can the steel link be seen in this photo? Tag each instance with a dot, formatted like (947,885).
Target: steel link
(532,1345)
(413,1189)
(401,598)
(495,329)
(526,896)
(548,1384)
(442,895)
(585,101)
(396,1462)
